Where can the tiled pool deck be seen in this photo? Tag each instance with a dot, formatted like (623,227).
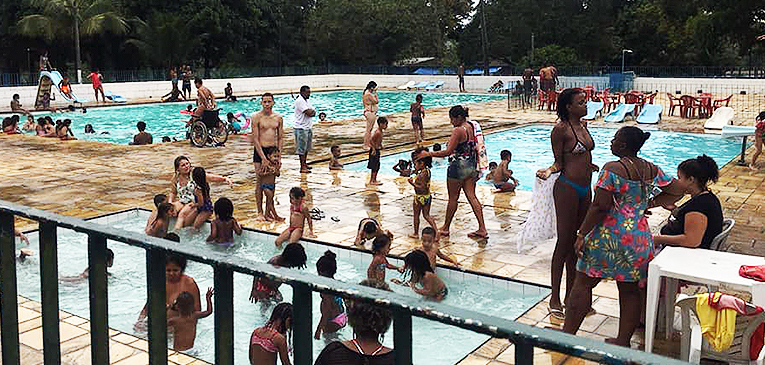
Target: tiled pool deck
(86,179)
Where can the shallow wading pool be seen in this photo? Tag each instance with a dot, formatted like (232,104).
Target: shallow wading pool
(433,342)
(165,119)
(530,147)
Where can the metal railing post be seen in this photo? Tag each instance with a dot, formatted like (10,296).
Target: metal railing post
(155,306)
(524,353)
(49,289)
(302,329)
(99,313)
(402,336)
(224,315)
(9,312)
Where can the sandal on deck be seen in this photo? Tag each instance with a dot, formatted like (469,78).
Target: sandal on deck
(556,313)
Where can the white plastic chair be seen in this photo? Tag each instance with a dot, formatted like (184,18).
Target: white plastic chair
(718,243)
(693,346)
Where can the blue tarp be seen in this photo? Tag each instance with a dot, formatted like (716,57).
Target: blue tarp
(449,71)
(426,71)
(479,71)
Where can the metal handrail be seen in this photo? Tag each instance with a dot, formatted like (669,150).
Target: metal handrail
(524,337)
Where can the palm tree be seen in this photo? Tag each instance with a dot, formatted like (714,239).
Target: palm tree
(58,17)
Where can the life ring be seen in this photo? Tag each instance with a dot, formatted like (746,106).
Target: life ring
(246,122)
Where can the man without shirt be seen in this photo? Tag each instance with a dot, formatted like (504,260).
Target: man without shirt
(267,135)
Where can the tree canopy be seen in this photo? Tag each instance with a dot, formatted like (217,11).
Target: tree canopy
(152,34)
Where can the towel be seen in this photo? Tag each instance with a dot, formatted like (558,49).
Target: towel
(540,224)
(717,316)
(752,272)
(480,146)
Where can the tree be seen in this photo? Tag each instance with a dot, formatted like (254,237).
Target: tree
(91,17)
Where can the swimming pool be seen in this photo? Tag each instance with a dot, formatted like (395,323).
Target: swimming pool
(165,119)
(433,342)
(530,146)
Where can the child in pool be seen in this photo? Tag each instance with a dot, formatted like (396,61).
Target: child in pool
(65,132)
(422,279)
(185,324)
(501,176)
(223,227)
(402,167)
(202,201)
(11,125)
(333,316)
(334,164)
(84,275)
(29,125)
(299,214)
(158,227)
(158,199)
(369,228)
(430,247)
(421,184)
(380,248)
(263,289)
(268,175)
(270,341)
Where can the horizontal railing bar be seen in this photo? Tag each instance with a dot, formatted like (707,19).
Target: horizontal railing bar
(467,319)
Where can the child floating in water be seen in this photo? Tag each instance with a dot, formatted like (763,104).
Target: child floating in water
(84,275)
(430,247)
(158,227)
(422,278)
(403,168)
(268,176)
(333,316)
(185,324)
(380,249)
(421,184)
(501,176)
(299,214)
(223,227)
(270,341)
(293,256)
(334,164)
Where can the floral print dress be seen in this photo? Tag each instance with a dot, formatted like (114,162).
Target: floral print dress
(621,246)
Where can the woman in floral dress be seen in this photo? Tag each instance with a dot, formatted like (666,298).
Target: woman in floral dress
(614,241)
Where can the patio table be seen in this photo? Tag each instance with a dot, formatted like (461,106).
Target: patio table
(714,268)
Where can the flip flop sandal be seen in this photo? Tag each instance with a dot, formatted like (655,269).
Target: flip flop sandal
(556,313)
(335,219)
(476,235)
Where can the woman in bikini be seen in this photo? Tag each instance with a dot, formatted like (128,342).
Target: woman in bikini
(272,340)
(572,147)
(462,173)
(369,99)
(182,191)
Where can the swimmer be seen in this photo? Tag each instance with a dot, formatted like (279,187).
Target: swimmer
(185,324)
(380,249)
(158,227)
(11,125)
(86,273)
(264,289)
(334,164)
(29,125)
(65,132)
(298,215)
(224,225)
(323,118)
(430,247)
(422,278)
(166,139)
(89,129)
(271,341)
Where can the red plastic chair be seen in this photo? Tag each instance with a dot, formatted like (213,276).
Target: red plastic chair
(613,101)
(673,102)
(649,99)
(718,103)
(688,106)
(632,98)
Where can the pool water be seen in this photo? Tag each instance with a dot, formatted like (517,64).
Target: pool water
(434,343)
(530,147)
(165,119)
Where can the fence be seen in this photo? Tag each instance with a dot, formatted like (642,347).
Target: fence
(27,79)
(524,337)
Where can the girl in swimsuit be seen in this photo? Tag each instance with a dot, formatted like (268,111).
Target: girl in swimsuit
(380,248)
(202,201)
(272,340)
(422,197)
(299,214)
(223,227)
(759,136)
(333,316)
(370,100)
(422,278)
(293,256)
(462,173)
(158,227)
(572,145)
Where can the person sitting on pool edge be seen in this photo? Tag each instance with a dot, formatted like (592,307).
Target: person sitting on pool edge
(142,137)
(369,228)
(229,92)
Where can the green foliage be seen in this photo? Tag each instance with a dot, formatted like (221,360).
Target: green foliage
(555,54)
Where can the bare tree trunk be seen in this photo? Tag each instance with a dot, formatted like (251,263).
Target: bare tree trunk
(76,13)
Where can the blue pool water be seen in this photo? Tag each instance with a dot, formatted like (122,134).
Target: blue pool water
(531,151)
(166,120)
(434,343)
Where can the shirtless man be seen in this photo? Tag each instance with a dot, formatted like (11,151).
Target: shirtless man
(205,98)
(267,135)
(16,105)
(528,75)
(369,98)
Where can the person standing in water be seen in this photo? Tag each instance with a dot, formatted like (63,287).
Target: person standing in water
(370,100)
(572,147)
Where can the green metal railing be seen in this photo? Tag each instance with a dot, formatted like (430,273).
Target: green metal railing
(403,307)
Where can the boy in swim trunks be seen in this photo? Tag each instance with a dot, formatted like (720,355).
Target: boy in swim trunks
(418,112)
(502,176)
(268,175)
(334,164)
(374,150)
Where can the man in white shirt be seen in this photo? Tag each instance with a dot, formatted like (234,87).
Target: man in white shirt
(304,114)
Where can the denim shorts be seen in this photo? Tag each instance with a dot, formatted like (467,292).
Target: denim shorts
(303,139)
(462,168)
